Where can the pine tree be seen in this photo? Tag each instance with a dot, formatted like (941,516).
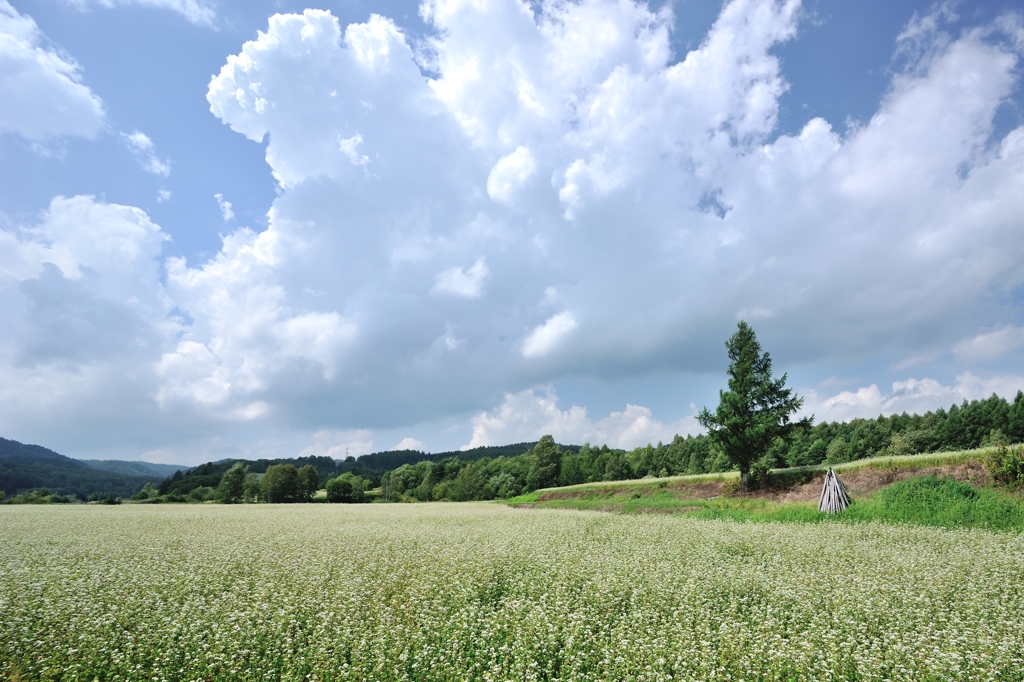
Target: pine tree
(755,410)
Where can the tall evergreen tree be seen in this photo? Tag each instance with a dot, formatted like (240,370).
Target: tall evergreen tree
(755,410)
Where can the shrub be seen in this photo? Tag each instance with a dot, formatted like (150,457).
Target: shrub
(504,485)
(759,472)
(105,498)
(1006,465)
(347,488)
(731,487)
(339,490)
(944,502)
(41,496)
(201,494)
(147,492)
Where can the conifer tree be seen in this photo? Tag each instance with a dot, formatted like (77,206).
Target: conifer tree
(755,410)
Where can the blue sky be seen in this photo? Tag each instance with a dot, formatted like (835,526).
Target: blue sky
(380,224)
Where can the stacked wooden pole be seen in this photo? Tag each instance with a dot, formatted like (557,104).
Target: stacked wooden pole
(833,495)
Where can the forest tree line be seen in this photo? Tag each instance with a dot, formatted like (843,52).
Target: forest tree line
(545,464)
(961,427)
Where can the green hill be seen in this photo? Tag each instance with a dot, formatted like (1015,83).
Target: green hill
(134,467)
(29,467)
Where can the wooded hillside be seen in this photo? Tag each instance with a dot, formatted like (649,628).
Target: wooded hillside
(30,467)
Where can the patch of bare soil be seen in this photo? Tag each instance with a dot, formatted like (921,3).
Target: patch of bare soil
(859,483)
(865,482)
(567,495)
(699,491)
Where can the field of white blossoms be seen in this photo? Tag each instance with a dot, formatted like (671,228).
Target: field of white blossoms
(484,592)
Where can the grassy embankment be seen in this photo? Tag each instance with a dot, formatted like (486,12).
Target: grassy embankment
(948,489)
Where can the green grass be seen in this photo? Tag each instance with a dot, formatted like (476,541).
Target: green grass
(921,461)
(687,478)
(932,501)
(906,462)
(921,500)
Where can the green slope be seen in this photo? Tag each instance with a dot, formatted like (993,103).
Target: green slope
(919,489)
(29,467)
(134,467)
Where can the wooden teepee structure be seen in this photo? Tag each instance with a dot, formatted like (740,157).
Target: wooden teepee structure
(833,495)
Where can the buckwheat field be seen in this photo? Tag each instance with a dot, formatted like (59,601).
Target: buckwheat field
(484,592)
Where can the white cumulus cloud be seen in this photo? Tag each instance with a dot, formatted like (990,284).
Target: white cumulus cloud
(306,61)
(43,94)
(409,443)
(618,204)
(338,444)
(910,396)
(511,172)
(85,315)
(529,414)
(463,283)
(547,336)
(201,12)
(990,345)
(225,207)
(145,152)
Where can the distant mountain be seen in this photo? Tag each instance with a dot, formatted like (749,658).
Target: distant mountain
(134,467)
(29,467)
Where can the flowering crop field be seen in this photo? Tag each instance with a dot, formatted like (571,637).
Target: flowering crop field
(485,592)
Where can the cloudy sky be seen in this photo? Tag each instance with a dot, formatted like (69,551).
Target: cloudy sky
(264,228)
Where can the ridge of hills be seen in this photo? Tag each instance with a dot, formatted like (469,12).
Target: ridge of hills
(134,467)
(26,467)
(29,467)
